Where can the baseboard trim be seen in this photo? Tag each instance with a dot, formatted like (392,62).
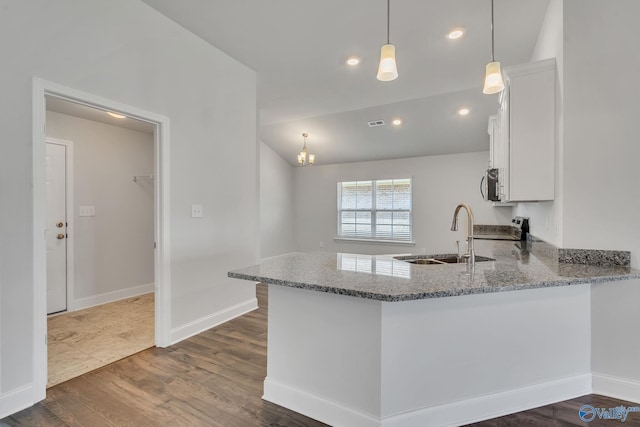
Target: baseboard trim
(315,407)
(207,322)
(494,405)
(448,415)
(16,400)
(617,388)
(107,297)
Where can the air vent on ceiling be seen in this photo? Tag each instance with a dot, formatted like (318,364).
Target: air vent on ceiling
(376,123)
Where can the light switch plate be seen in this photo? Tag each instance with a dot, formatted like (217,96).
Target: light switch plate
(196,211)
(87,211)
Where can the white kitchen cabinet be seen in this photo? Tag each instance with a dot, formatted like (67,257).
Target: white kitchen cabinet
(502,145)
(493,131)
(498,153)
(523,142)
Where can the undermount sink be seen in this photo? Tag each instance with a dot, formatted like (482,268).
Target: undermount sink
(446,259)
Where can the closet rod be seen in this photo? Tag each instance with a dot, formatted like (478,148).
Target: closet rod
(137,178)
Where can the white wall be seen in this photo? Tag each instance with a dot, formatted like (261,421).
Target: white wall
(601,171)
(601,126)
(125,51)
(113,249)
(439,184)
(276,204)
(615,350)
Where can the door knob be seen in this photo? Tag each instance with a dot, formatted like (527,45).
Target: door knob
(60,236)
(60,224)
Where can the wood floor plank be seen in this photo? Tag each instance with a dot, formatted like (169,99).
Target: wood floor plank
(80,403)
(249,376)
(35,416)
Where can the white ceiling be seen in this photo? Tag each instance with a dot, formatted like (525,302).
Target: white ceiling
(298,49)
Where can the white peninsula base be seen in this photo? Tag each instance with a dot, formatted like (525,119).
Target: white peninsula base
(351,361)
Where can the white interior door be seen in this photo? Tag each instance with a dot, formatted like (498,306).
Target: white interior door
(56,227)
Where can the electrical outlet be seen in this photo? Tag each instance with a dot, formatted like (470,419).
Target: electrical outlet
(196,211)
(322,244)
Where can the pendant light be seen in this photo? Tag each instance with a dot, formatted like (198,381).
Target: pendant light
(302,155)
(387,70)
(493,78)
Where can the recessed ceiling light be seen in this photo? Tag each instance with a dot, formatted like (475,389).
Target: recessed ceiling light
(116,115)
(456,33)
(463,111)
(353,61)
(396,122)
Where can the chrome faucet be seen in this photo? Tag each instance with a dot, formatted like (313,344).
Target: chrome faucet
(470,254)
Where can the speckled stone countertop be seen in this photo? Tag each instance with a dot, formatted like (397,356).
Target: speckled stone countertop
(384,278)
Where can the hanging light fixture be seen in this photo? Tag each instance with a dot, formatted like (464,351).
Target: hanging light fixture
(302,155)
(493,78)
(387,70)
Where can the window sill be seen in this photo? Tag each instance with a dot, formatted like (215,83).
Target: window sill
(375,241)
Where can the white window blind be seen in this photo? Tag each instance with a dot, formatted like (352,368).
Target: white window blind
(379,210)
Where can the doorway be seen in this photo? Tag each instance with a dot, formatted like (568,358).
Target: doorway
(106,312)
(161,229)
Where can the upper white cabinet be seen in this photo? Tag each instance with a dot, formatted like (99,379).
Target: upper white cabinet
(493,149)
(524,133)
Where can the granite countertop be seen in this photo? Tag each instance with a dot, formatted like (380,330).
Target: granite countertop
(516,266)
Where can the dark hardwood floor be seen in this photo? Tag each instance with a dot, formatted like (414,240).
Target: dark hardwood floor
(215,379)
(565,414)
(212,379)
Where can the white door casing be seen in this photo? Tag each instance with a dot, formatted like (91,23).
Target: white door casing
(162,226)
(56,227)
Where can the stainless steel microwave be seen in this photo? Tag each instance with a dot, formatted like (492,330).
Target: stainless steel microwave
(489,185)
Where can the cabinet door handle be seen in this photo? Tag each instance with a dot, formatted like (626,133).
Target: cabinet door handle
(60,236)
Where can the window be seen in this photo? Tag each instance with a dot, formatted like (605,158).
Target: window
(377,210)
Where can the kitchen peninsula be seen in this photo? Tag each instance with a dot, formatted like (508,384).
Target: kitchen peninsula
(364,340)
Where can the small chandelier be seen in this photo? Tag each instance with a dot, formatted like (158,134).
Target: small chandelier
(493,78)
(302,155)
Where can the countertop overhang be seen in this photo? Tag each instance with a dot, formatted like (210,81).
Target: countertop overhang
(384,278)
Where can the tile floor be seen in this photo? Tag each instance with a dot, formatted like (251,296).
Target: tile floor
(84,340)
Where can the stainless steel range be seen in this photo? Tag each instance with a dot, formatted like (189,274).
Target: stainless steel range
(517,230)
